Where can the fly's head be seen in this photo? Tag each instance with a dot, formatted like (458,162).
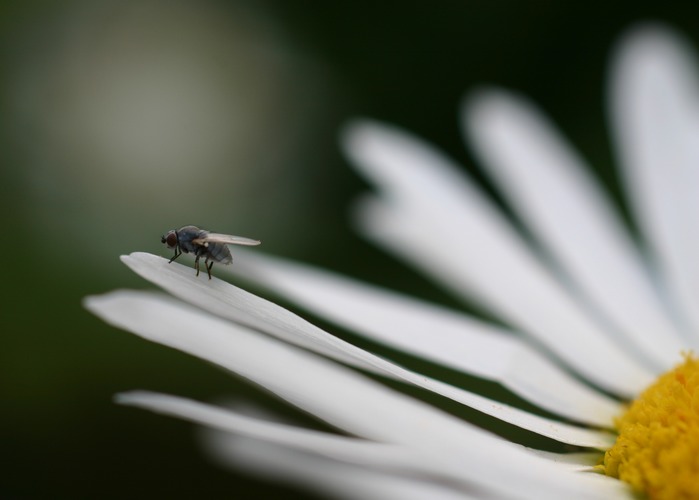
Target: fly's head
(170,239)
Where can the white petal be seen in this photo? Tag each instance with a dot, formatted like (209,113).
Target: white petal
(583,349)
(434,217)
(233,303)
(581,462)
(549,187)
(339,479)
(435,333)
(344,398)
(386,457)
(332,478)
(655,113)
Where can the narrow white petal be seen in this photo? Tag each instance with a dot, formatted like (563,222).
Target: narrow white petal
(387,457)
(343,397)
(548,185)
(233,303)
(430,206)
(336,479)
(565,433)
(535,378)
(655,112)
(270,461)
(581,462)
(435,333)
(593,356)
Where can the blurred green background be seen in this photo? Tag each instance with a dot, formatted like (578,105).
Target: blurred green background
(123,119)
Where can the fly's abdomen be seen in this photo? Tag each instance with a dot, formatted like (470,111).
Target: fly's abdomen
(219,252)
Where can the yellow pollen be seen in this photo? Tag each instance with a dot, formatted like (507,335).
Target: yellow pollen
(657,450)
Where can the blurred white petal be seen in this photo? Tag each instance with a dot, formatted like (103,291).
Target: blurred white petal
(432,332)
(429,213)
(386,457)
(343,397)
(549,187)
(336,479)
(580,462)
(238,305)
(655,113)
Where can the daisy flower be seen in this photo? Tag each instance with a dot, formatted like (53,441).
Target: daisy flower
(597,321)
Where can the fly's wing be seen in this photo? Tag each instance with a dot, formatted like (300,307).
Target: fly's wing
(226,239)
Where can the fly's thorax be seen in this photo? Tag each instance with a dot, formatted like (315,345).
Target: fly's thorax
(186,235)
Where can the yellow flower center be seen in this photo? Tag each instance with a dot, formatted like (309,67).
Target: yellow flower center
(657,450)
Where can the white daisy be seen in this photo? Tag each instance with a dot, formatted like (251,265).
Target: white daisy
(594,317)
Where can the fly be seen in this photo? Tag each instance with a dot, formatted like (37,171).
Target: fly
(212,246)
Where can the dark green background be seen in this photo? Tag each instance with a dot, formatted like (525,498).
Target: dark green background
(407,63)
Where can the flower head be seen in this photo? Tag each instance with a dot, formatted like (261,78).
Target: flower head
(593,315)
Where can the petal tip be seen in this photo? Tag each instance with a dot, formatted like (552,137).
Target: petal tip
(129,398)
(90,301)
(481,95)
(355,134)
(649,41)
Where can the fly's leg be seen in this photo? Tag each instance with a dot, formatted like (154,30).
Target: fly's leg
(196,264)
(178,252)
(208,267)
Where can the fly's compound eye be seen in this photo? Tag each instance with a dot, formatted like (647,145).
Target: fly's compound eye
(170,239)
